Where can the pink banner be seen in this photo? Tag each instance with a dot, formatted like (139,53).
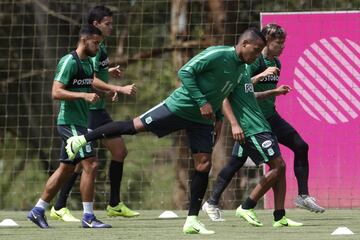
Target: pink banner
(321,62)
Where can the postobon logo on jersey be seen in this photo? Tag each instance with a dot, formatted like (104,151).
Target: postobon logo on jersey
(81,82)
(327,79)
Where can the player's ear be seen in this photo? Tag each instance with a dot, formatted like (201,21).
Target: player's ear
(95,23)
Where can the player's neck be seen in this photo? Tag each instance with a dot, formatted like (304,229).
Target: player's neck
(80,50)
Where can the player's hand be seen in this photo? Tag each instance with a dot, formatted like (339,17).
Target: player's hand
(217,131)
(91,97)
(238,134)
(207,111)
(270,71)
(127,90)
(115,72)
(112,96)
(282,90)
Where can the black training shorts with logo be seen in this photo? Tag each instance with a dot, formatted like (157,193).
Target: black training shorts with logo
(261,148)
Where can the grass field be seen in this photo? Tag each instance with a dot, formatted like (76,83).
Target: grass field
(147,226)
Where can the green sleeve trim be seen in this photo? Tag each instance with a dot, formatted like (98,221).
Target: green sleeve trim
(257,145)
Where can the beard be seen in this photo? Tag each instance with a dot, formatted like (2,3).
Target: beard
(89,52)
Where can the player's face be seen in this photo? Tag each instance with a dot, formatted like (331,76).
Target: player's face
(251,50)
(92,45)
(105,26)
(276,46)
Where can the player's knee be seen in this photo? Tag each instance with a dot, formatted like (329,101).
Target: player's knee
(203,167)
(301,147)
(67,169)
(94,166)
(279,166)
(90,166)
(202,162)
(119,154)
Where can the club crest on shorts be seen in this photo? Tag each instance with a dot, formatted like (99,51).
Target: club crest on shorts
(148,120)
(266,144)
(271,152)
(88,148)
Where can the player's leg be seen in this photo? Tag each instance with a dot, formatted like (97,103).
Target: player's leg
(87,186)
(201,143)
(118,151)
(145,122)
(261,148)
(54,183)
(57,179)
(59,211)
(210,207)
(290,138)
(279,188)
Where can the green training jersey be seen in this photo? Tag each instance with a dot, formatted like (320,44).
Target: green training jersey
(77,76)
(267,105)
(246,108)
(101,68)
(209,77)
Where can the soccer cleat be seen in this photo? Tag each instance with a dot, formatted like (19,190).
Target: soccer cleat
(194,226)
(285,222)
(213,211)
(90,221)
(249,216)
(63,214)
(309,203)
(73,145)
(121,210)
(37,216)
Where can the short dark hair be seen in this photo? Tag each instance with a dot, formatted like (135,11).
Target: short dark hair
(98,13)
(273,31)
(252,33)
(88,30)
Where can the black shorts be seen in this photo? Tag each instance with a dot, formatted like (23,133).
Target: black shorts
(98,118)
(261,147)
(279,126)
(161,121)
(67,131)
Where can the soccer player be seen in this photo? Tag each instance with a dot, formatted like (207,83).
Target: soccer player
(206,80)
(72,86)
(265,76)
(101,18)
(254,139)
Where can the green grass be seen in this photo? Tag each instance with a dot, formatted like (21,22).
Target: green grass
(147,226)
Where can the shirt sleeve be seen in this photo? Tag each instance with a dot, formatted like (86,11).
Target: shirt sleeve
(65,69)
(187,74)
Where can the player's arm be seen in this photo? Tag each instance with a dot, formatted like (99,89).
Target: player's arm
(103,86)
(237,132)
(111,89)
(63,75)
(282,90)
(60,93)
(269,71)
(187,75)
